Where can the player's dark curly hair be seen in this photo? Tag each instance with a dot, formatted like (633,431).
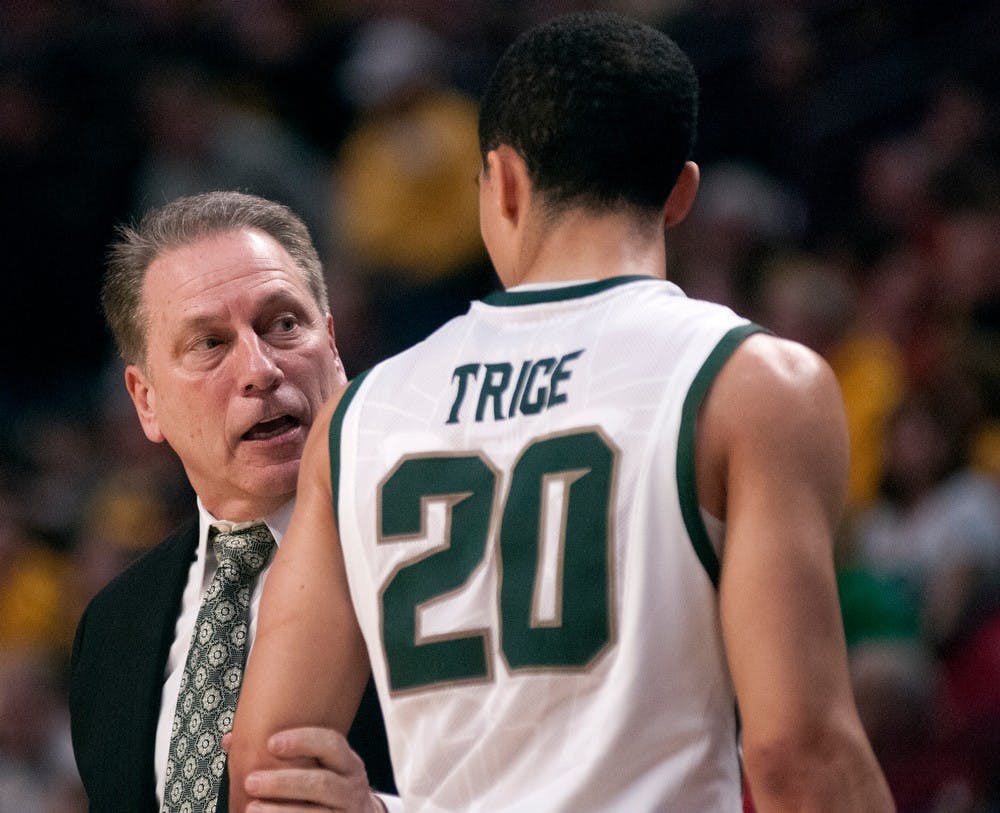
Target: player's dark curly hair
(602,108)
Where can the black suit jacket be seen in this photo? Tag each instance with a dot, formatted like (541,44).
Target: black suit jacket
(119,657)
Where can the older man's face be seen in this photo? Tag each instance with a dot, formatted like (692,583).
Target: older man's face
(239,360)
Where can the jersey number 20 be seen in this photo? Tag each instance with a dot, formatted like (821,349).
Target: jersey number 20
(577,624)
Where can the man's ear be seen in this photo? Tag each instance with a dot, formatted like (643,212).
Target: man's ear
(338,362)
(682,195)
(140,389)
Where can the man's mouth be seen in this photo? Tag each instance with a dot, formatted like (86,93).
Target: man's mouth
(265,430)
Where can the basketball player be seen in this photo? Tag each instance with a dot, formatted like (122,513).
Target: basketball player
(587,521)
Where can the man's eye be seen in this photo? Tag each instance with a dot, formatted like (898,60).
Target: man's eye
(285,324)
(207,343)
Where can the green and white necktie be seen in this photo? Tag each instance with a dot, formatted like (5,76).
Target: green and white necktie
(213,673)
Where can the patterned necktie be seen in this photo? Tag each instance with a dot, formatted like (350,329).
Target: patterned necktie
(212,675)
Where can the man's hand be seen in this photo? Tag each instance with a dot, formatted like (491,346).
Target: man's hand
(337,781)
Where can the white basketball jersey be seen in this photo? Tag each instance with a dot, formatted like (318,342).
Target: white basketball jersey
(516,502)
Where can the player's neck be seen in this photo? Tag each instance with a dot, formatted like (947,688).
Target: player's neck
(582,246)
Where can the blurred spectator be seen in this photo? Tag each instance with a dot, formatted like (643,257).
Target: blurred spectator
(934,512)
(287,56)
(125,517)
(961,625)
(805,298)
(869,360)
(37,772)
(407,172)
(67,148)
(740,217)
(896,688)
(406,198)
(200,139)
(32,577)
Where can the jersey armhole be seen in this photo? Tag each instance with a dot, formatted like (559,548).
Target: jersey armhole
(686,483)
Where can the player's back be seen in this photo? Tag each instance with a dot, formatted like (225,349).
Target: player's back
(531,570)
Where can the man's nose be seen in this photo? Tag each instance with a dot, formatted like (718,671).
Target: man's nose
(258,368)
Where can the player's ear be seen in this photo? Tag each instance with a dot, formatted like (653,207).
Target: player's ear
(508,182)
(682,195)
(140,389)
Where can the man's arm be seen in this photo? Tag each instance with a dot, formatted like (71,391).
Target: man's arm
(772,452)
(308,665)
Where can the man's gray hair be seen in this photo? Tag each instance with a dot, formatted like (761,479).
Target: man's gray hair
(179,223)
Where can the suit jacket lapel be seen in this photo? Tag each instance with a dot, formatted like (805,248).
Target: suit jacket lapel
(163,587)
(119,661)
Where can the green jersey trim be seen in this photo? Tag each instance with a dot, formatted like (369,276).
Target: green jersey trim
(558,294)
(336,428)
(686,483)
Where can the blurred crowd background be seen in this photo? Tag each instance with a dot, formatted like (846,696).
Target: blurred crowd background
(850,200)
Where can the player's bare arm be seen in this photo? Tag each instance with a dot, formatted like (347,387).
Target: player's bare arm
(308,665)
(772,458)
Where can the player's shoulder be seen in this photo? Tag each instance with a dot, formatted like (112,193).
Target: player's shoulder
(772,361)
(775,404)
(774,382)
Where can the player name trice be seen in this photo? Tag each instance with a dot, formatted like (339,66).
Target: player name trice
(502,394)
